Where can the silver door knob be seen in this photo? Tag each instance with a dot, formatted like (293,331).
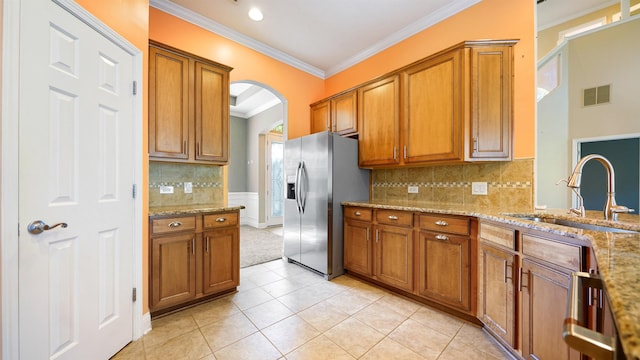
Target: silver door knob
(38,226)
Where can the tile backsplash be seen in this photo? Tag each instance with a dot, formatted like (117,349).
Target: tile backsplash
(509,184)
(206,180)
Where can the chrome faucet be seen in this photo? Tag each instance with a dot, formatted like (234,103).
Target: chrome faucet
(611,209)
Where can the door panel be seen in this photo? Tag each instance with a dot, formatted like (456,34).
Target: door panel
(314,234)
(291,220)
(75,166)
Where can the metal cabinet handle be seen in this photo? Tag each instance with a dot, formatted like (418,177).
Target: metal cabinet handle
(221,219)
(38,226)
(520,280)
(393,217)
(377,236)
(442,237)
(442,223)
(174,224)
(585,340)
(207,245)
(357,213)
(193,246)
(507,273)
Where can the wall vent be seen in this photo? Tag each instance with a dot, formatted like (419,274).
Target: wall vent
(596,95)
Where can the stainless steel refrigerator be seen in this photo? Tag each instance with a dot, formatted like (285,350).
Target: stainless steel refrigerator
(321,171)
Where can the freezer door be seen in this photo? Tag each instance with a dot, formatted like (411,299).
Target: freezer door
(315,196)
(291,221)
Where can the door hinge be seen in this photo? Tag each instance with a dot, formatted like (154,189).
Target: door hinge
(135,88)
(134,191)
(134,295)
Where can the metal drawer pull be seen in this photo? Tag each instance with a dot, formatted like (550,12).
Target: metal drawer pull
(442,237)
(442,223)
(357,213)
(393,217)
(221,219)
(585,340)
(174,224)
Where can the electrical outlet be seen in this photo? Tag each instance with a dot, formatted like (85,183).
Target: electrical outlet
(166,189)
(188,188)
(412,189)
(479,188)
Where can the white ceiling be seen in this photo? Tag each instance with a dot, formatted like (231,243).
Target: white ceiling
(324,37)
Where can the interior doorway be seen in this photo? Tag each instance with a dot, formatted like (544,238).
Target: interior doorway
(258,127)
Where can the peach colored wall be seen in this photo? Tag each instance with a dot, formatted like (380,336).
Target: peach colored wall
(489,19)
(297,86)
(130,19)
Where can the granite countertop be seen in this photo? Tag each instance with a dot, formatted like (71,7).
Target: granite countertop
(617,253)
(191,209)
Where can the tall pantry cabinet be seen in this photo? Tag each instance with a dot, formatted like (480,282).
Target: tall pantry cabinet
(188,107)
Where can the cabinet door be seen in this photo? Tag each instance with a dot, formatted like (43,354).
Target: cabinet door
(432,103)
(357,247)
(221,260)
(211,113)
(378,122)
(168,105)
(394,256)
(491,97)
(173,270)
(320,117)
(545,293)
(496,310)
(444,269)
(344,113)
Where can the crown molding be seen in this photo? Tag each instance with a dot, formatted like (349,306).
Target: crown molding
(404,33)
(217,28)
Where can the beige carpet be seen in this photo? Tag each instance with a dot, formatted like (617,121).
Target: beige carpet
(259,245)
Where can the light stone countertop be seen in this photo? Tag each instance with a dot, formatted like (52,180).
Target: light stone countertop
(191,209)
(617,253)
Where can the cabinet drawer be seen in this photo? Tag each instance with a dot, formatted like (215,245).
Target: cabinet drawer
(451,225)
(394,217)
(171,225)
(498,235)
(358,213)
(565,255)
(220,220)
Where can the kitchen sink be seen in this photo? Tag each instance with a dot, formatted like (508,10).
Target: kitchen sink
(573,224)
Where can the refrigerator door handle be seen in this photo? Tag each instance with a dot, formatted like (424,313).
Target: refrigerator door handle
(297,187)
(304,180)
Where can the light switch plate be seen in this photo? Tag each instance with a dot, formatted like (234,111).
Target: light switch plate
(412,189)
(166,189)
(479,188)
(188,188)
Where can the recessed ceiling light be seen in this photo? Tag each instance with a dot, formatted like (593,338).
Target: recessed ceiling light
(255,14)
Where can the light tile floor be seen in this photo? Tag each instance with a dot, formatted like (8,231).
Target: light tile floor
(282,311)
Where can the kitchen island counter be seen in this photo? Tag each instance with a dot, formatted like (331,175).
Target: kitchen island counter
(617,253)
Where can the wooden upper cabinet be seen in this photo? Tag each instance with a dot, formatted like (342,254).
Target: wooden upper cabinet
(337,114)
(168,104)
(432,110)
(211,113)
(320,117)
(378,122)
(344,113)
(188,107)
(491,102)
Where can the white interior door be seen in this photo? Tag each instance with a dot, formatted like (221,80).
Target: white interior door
(76,167)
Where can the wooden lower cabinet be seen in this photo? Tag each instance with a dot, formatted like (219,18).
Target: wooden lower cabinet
(444,268)
(173,265)
(358,247)
(192,258)
(497,292)
(394,256)
(544,295)
(221,260)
